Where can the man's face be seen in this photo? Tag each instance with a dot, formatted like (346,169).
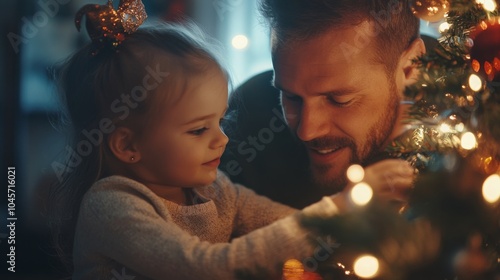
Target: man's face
(337,99)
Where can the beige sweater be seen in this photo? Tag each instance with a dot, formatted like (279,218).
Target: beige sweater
(125,231)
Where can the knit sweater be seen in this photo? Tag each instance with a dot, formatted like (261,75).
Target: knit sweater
(125,231)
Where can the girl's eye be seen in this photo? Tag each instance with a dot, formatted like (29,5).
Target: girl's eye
(198,132)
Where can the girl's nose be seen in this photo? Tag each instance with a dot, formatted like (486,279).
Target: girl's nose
(220,140)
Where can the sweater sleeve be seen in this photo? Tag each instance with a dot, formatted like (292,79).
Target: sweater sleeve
(253,211)
(120,223)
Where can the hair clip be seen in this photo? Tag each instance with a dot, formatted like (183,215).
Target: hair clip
(107,26)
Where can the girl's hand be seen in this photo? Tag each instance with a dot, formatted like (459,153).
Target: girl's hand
(391,181)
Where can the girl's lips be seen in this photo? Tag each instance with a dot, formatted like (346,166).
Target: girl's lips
(213,163)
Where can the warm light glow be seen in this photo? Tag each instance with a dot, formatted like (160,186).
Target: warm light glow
(361,194)
(355,173)
(475,82)
(239,42)
(488,5)
(491,188)
(443,27)
(468,141)
(366,266)
(293,270)
(445,128)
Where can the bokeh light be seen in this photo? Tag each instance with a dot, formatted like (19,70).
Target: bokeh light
(443,27)
(361,194)
(355,173)
(460,127)
(445,128)
(475,82)
(239,42)
(488,5)
(366,266)
(468,141)
(491,188)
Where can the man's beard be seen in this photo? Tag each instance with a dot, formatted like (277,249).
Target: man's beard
(377,136)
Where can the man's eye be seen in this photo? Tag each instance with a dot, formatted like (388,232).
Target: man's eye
(340,103)
(198,132)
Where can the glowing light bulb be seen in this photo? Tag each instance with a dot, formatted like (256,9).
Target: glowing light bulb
(366,266)
(488,5)
(468,141)
(361,194)
(239,42)
(491,188)
(445,128)
(460,127)
(475,82)
(355,173)
(443,27)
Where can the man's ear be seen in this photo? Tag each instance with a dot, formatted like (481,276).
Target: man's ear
(410,71)
(122,144)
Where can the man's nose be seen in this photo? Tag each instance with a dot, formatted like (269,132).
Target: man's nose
(313,123)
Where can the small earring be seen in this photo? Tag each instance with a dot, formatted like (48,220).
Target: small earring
(132,158)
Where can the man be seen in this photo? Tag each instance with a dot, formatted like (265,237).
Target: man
(340,68)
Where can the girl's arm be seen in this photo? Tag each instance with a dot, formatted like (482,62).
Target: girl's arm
(252,211)
(119,222)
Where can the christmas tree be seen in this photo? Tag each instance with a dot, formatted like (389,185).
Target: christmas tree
(451,227)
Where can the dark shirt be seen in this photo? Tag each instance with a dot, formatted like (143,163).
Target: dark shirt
(262,153)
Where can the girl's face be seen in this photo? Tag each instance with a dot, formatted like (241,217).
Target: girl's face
(184,146)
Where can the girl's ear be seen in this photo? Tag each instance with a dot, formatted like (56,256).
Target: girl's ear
(416,49)
(122,145)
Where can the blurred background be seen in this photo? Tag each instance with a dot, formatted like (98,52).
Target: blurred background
(36,34)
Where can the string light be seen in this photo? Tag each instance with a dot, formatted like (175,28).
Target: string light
(355,173)
(488,5)
(366,266)
(460,127)
(491,188)
(445,128)
(443,27)
(361,194)
(468,141)
(475,82)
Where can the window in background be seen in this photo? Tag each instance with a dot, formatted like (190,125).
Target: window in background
(242,32)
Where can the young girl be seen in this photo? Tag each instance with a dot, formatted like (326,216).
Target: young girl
(146,201)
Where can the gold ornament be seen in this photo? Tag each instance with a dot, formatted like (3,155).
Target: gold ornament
(430,10)
(293,270)
(107,26)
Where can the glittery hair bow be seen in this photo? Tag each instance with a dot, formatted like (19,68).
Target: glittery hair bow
(107,26)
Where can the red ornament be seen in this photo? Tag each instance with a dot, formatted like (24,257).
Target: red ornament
(485,54)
